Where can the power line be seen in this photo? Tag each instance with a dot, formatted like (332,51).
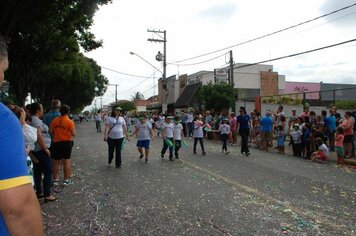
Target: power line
(123,73)
(297,54)
(267,35)
(197,63)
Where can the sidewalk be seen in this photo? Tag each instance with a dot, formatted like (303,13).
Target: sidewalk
(288,151)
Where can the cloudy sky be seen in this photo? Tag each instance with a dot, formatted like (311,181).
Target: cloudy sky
(198,27)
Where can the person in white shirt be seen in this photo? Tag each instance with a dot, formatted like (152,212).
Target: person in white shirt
(98,119)
(115,131)
(322,154)
(198,134)
(144,133)
(224,129)
(177,135)
(167,135)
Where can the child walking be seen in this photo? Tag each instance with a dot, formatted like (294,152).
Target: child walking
(280,139)
(177,136)
(224,129)
(339,146)
(167,135)
(144,133)
(198,134)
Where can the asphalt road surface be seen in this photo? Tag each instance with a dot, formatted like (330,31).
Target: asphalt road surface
(263,194)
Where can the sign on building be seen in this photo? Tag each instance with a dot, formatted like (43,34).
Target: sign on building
(221,75)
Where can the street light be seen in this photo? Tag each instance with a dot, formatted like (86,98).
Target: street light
(132,53)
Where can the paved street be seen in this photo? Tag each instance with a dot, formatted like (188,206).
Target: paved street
(263,194)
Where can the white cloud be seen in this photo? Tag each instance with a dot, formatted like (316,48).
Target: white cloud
(201,26)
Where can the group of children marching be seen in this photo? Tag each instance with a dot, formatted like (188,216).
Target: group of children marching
(172,135)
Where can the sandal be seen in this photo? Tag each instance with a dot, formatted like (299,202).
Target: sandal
(50,199)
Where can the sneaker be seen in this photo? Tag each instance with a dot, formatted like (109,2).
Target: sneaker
(55,182)
(162,155)
(176,157)
(141,156)
(227,152)
(204,153)
(171,159)
(67,182)
(242,154)
(248,154)
(146,159)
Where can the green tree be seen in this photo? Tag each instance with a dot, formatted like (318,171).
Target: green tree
(44,38)
(220,96)
(137,96)
(126,105)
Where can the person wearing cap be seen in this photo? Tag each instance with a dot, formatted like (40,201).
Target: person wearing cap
(198,134)
(177,135)
(224,129)
(144,133)
(167,135)
(115,131)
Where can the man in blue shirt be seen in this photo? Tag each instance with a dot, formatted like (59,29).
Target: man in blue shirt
(266,130)
(244,130)
(19,208)
(53,113)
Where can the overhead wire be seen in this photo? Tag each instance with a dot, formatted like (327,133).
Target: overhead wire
(297,54)
(267,35)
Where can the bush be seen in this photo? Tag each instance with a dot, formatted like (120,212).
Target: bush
(349,104)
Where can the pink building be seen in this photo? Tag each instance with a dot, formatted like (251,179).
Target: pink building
(303,87)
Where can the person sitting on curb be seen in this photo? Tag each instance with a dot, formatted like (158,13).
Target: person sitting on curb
(322,154)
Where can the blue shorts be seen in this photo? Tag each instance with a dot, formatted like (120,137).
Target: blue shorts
(143,143)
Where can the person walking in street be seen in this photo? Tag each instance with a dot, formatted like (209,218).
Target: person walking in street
(114,134)
(198,134)
(177,136)
(190,124)
(20,212)
(244,130)
(42,153)
(167,136)
(98,119)
(63,131)
(224,129)
(144,133)
(233,128)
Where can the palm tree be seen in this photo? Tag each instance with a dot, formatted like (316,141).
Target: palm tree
(137,96)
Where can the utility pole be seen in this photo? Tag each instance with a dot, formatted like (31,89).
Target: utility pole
(163,58)
(231,81)
(115,90)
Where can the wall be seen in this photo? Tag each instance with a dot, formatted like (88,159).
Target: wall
(300,87)
(269,83)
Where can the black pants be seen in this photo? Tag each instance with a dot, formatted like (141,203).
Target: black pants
(201,144)
(190,129)
(177,146)
(115,145)
(45,167)
(244,133)
(98,126)
(165,147)
(297,149)
(224,141)
(184,129)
